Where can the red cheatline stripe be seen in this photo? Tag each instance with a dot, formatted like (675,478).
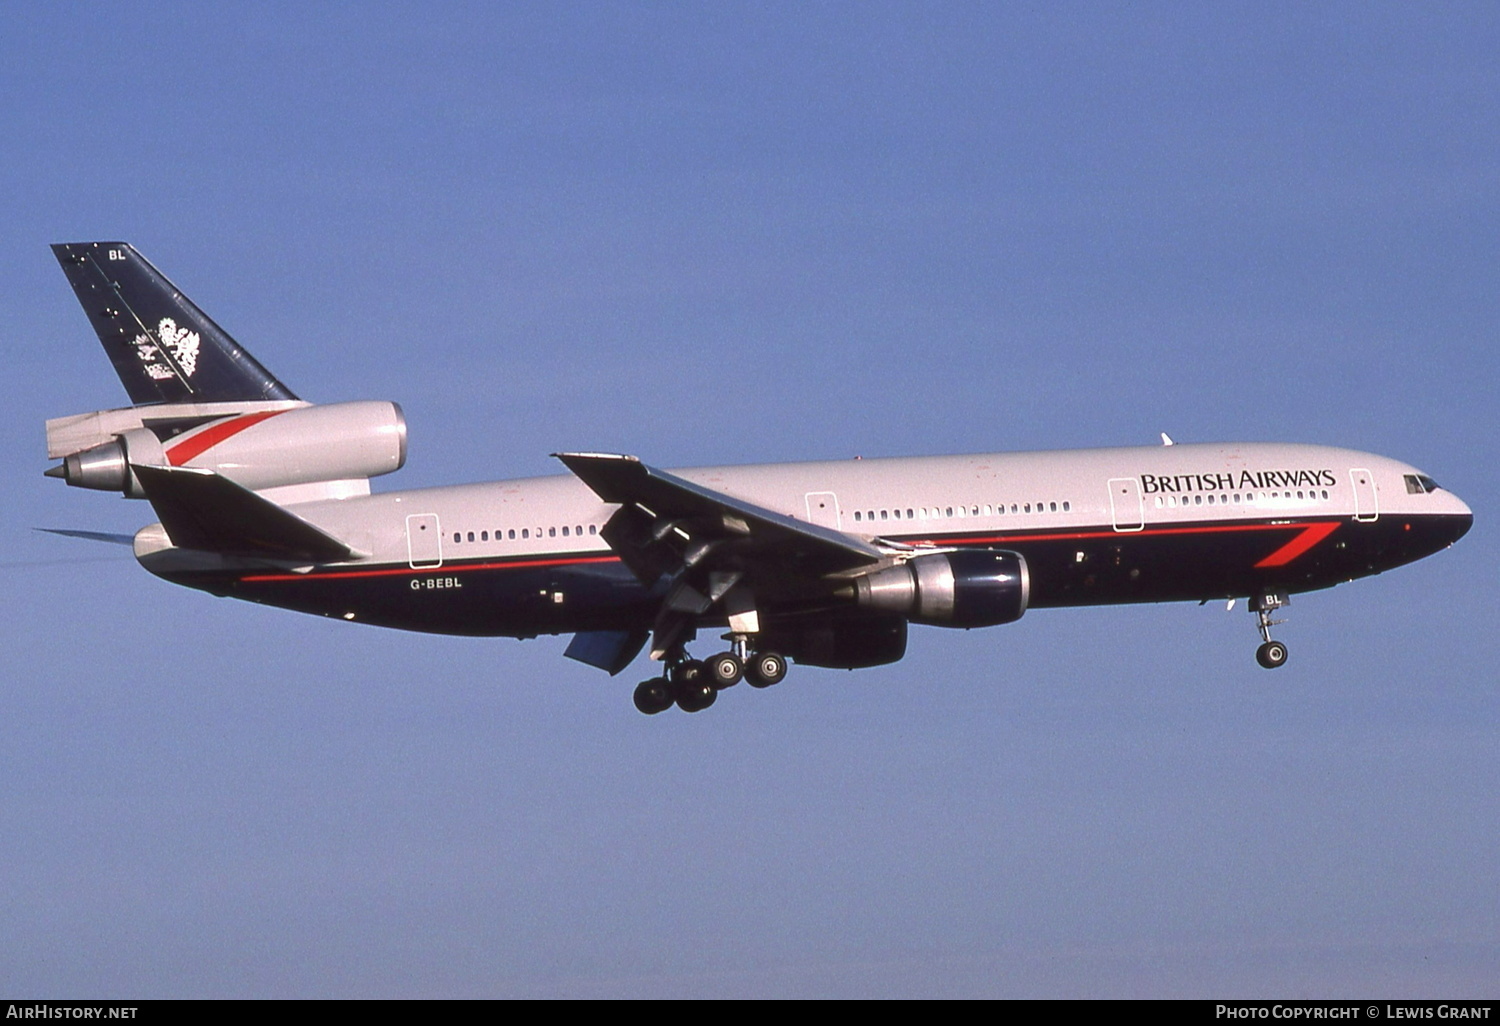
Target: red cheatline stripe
(1150,532)
(1310,536)
(212,435)
(451,569)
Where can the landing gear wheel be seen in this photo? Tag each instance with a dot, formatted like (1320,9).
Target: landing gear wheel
(692,687)
(689,671)
(697,696)
(765,669)
(725,670)
(1271,655)
(653,696)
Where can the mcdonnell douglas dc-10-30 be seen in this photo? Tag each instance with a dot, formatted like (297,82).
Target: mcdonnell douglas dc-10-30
(263,496)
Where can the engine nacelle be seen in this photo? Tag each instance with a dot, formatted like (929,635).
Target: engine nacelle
(969,588)
(264,449)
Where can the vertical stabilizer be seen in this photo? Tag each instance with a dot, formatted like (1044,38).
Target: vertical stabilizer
(164,348)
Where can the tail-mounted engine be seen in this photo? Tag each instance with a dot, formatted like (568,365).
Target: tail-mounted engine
(969,588)
(257,449)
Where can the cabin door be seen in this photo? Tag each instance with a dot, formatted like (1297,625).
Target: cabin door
(823,509)
(1125,503)
(424,541)
(1366,503)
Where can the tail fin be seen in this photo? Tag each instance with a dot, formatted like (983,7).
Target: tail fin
(164,348)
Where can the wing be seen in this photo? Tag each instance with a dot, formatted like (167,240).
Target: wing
(702,548)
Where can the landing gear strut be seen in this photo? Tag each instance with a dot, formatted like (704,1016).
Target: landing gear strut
(1270,654)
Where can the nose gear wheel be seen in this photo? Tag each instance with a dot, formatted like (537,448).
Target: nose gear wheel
(1271,653)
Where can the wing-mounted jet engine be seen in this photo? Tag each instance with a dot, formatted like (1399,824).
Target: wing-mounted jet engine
(970,588)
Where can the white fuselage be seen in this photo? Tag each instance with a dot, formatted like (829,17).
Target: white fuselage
(916,498)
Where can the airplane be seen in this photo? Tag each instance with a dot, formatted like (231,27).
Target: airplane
(263,496)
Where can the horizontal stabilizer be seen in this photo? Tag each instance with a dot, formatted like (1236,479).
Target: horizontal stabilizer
(203,510)
(100,536)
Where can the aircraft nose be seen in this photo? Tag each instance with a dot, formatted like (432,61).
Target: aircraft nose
(1462,525)
(1460,519)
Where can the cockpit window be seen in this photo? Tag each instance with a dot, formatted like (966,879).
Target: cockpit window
(1419,484)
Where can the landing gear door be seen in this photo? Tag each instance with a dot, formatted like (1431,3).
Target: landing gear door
(823,510)
(1366,502)
(424,541)
(1125,503)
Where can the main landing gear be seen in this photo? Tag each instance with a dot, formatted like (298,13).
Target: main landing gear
(1270,654)
(694,685)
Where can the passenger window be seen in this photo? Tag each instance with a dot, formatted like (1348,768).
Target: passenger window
(525,532)
(856,516)
(457,537)
(484,536)
(512,534)
(1067,507)
(551,532)
(565,530)
(1052,507)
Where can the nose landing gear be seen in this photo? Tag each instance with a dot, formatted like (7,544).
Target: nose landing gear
(1270,654)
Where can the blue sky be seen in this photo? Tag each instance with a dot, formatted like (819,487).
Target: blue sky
(743,233)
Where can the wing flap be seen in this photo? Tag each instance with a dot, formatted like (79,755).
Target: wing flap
(703,518)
